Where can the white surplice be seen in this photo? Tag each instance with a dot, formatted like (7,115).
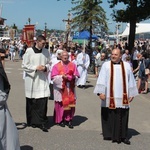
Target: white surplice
(103,84)
(36,82)
(54,60)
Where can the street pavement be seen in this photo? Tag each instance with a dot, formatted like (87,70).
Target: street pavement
(87,133)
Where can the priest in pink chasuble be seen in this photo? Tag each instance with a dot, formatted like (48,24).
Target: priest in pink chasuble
(116,87)
(64,75)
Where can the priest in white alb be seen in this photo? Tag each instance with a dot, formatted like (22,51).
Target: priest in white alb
(116,87)
(83,62)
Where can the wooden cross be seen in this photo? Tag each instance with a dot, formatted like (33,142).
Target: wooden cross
(69,20)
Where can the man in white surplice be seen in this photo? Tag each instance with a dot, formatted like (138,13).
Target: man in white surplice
(116,87)
(83,62)
(36,66)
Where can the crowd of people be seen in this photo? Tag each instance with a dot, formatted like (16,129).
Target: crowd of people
(54,71)
(13,47)
(138,58)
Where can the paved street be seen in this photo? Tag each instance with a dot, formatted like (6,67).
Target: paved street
(86,134)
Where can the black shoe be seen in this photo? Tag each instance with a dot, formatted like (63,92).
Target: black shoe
(61,124)
(28,125)
(116,141)
(69,124)
(34,126)
(83,86)
(43,128)
(126,141)
(107,138)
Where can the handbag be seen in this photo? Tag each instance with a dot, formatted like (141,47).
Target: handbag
(147,71)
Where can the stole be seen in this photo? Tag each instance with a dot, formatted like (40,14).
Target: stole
(125,101)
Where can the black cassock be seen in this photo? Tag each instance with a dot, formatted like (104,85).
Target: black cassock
(115,123)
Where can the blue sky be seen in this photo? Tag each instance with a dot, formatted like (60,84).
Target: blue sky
(51,12)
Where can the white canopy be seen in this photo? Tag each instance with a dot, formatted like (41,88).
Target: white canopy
(140,28)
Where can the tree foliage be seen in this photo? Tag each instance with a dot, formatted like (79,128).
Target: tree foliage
(135,11)
(88,13)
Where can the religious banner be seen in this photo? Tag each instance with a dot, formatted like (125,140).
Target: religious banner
(12,33)
(28,34)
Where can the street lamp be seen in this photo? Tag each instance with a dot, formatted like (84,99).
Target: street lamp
(117,32)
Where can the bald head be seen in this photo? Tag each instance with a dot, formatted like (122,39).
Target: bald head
(64,53)
(64,56)
(116,55)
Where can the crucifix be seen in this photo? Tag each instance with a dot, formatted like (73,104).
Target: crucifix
(68,27)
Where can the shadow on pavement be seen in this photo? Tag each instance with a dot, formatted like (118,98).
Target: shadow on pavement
(26,147)
(132,132)
(88,86)
(77,120)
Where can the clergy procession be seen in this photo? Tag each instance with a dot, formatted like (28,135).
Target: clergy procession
(75,75)
(56,74)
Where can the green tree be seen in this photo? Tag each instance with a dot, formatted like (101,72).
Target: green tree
(135,12)
(88,15)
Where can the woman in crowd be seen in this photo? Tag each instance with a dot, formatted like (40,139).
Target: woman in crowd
(142,77)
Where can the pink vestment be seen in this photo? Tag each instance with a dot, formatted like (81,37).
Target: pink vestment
(60,111)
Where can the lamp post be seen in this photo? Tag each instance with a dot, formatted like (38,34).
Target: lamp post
(117,32)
